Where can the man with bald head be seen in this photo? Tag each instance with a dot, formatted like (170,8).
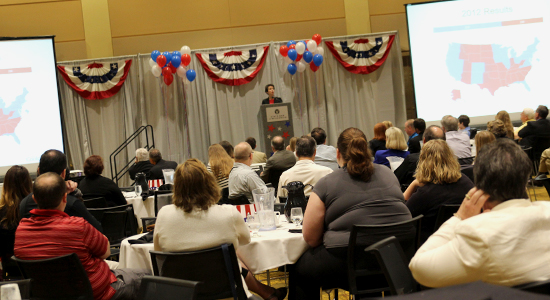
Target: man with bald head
(406,170)
(243,179)
(280,161)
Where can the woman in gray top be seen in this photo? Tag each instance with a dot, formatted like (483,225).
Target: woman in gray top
(358,193)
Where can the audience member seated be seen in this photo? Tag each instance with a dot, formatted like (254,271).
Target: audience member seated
(195,222)
(55,161)
(305,169)
(438,182)
(242,179)
(413,143)
(527,115)
(228,148)
(292,144)
(258,157)
(388,124)
(464,124)
(280,161)
(405,172)
(220,165)
(419,128)
(395,144)
(508,127)
(159,164)
(458,142)
(50,232)
(17,185)
(507,244)
(379,140)
(348,196)
(326,154)
(497,128)
(97,185)
(544,166)
(537,134)
(142,164)
(483,138)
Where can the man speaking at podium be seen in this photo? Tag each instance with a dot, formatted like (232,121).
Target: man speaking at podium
(270,91)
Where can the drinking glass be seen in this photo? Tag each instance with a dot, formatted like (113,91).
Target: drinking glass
(296,216)
(138,190)
(253,222)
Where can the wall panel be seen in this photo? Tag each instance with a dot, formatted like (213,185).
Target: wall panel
(70,50)
(382,7)
(383,23)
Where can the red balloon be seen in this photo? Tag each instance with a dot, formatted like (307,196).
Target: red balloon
(317,38)
(299,57)
(166,71)
(168,78)
(313,67)
(283,50)
(172,68)
(161,60)
(293,46)
(186,59)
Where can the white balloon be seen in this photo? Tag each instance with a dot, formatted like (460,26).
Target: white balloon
(185,50)
(152,63)
(156,70)
(300,48)
(312,46)
(287,60)
(301,66)
(181,71)
(320,50)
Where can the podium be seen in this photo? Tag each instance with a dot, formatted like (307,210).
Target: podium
(275,119)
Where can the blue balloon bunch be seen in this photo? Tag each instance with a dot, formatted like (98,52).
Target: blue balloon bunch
(309,51)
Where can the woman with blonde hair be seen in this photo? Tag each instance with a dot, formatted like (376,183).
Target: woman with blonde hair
(379,140)
(483,138)
(219,164)
(395,145)
(497,128)
(292,145)
(195,222)
(438,182)
(388,124)
(505,118)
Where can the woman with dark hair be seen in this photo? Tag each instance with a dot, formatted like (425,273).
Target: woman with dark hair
(17,185)
(359,193)
(97,185)
(379,140)
(195,222)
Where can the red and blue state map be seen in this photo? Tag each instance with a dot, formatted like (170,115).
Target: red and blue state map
(10,116)
(491,67)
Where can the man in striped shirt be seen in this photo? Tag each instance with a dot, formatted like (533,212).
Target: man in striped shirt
(50,232)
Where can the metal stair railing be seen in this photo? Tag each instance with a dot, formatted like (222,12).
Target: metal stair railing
(116,175)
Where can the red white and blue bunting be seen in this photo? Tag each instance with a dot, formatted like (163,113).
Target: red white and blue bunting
(96,81)
(361,56)
(233,67)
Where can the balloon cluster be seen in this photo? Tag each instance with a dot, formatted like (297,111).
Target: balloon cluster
(298,54)
(165,64)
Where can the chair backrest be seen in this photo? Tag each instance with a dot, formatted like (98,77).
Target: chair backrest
(145,222)
(130,226)
(95,202)
(444,213)
(162,198)
(473,132)
(274,176)
(60,277)
(156,287)
(362,266)
(241,200)
(468,170)
(114,225)
(24,287)
(538,287)
(393,263)
(466,160)
(545,182)
(207,266)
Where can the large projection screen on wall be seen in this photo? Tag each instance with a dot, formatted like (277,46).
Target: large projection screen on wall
(479,57)
(30,111)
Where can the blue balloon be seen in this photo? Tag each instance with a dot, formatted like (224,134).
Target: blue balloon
(176,53)
(191,74)
(176,61)
(292,54)
(318,59)
(308,57)
(155,54)
(291,42)
(292,69)
(168,56)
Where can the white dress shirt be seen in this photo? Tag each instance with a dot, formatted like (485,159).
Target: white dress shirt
(242,180)
(326,156)
(305,171)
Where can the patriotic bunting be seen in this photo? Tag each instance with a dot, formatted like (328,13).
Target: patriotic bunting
(233,67)
(96,81)
(361,56)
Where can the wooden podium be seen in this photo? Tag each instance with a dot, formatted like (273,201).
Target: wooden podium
(275,119)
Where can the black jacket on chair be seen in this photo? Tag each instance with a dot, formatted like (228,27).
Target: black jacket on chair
(156,170)
(537,135)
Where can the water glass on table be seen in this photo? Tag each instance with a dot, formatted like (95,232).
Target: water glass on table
(296,216)
(138,190)
(253,222)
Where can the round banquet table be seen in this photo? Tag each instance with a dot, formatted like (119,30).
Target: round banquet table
(142,209)
(272,249)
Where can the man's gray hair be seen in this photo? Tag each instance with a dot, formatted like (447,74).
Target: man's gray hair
(142,154)
(529,113)
(449,123)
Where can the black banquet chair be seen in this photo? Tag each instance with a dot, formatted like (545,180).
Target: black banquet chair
(216,268)
(56,278)
(156,287)
(162,198)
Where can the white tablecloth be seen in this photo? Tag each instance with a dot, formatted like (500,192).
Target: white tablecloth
(142,209)
(272,249)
